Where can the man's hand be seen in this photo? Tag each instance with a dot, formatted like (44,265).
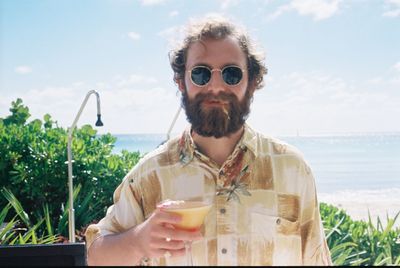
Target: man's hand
(156,237)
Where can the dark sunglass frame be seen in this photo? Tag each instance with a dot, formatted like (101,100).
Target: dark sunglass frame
(216,69)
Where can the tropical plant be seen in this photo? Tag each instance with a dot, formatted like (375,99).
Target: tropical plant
(20,230)
(33,167)
(358,242)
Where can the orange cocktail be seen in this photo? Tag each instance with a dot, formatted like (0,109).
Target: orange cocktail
(192,212)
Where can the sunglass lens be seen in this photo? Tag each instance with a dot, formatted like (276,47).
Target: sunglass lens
(232,75)
(200,75)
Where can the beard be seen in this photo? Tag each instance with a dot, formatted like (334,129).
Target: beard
(217,121)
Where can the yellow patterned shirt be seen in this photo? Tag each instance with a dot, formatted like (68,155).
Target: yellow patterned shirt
(271,218)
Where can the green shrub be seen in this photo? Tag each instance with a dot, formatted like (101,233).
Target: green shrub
(354,242)
(19,230)
(33,166)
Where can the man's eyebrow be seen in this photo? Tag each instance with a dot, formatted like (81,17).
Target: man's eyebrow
(201,64)
(231,63)
(209,66)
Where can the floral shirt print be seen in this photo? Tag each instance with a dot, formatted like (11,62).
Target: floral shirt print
(265,209)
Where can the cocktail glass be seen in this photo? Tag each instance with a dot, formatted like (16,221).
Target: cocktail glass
(193,214)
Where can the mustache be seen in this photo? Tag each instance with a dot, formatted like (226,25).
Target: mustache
(216,121)
(221,97)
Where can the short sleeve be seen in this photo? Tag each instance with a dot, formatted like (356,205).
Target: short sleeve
(125,213)
(315,250)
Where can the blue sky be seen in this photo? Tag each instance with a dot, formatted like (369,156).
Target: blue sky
(334,66)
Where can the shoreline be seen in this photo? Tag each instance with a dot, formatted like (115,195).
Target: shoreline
(357,203)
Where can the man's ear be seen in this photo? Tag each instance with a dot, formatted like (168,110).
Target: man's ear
(181,84)
(252,86)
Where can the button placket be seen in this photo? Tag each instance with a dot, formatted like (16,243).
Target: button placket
(220,178)
(223,239)
(224,253)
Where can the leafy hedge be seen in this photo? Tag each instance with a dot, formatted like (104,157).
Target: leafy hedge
(33,166)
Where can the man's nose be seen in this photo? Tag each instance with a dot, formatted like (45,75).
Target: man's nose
(216,83)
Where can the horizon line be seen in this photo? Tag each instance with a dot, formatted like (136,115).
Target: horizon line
(330,134)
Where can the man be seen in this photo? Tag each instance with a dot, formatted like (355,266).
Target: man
(265,210)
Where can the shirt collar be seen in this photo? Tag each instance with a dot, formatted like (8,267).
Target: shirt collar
(249,139)
(187,147)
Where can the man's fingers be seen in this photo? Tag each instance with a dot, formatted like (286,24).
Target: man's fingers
(166,217)
(169,253)
(176,234)
(165,221)
(162,243)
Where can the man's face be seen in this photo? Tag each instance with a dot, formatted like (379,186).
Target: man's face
(216,109)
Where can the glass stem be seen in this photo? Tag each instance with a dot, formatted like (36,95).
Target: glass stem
(188,250)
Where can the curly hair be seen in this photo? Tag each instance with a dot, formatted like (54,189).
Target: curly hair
(217,27)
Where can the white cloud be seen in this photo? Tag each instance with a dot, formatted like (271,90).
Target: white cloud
(279,11)
(318,9)
(317,103)
(152,2)
(78,83)
(23,69)
(225,4)
(375,80)
(140,110)
(392,13)
(394,8)
(169,32)
(390,80)
(172,35)
(129,104)
(134,36)
(133,79)
(173,13)
(397,66)
(394,2)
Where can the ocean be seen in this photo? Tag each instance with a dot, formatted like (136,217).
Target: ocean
(339,163)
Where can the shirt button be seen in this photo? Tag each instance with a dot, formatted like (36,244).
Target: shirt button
(278,221)
(222,210)
(224,251)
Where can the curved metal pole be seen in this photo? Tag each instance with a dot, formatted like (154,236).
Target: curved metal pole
(71,215)
(173,122)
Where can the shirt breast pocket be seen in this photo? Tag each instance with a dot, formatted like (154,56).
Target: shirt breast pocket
(275,240)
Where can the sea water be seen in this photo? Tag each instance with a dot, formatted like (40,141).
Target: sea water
(339,163)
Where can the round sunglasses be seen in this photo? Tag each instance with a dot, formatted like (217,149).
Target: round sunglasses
(201,75)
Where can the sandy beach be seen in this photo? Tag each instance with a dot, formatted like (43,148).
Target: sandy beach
(357,203)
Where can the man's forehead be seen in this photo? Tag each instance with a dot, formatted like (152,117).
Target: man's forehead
(215,49)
